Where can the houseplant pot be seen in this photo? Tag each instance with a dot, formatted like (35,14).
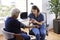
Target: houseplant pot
(56,26)
(55,8)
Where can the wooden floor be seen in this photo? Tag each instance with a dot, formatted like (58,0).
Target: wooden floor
(52,36)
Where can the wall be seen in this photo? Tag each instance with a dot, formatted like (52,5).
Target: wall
(50,17)
(35,2)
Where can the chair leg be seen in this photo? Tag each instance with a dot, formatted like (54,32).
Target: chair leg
(47,32)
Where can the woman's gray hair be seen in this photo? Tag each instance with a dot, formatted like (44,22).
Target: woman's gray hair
(15,11)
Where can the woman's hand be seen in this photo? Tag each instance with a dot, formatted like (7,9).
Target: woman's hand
(36,26)
(33,21)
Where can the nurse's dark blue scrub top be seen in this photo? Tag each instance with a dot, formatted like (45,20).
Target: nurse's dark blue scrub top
(39,18)
(13,25)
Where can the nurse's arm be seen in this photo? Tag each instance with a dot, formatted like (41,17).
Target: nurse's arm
(34,26)
(40,23)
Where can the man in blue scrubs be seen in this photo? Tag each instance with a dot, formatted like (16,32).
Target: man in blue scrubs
(37,19)
(13,25)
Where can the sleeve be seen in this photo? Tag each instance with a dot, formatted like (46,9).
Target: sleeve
(22,25)
(30,16)
(19,24)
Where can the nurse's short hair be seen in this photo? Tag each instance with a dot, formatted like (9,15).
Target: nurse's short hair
(15,11)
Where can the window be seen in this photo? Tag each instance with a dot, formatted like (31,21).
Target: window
(7,5)
(23,5)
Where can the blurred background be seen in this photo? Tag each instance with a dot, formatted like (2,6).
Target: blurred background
(25,6)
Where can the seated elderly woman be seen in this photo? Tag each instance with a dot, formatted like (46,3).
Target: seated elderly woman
(13,25)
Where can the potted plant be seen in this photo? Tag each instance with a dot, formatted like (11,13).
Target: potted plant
(55,8)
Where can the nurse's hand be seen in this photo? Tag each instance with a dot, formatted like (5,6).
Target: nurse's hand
(34,21)
(33,26)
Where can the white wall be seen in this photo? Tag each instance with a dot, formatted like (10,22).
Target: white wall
(35,2)
(50,17)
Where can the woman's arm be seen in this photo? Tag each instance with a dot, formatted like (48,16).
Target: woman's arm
(33,26)
(39,23)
